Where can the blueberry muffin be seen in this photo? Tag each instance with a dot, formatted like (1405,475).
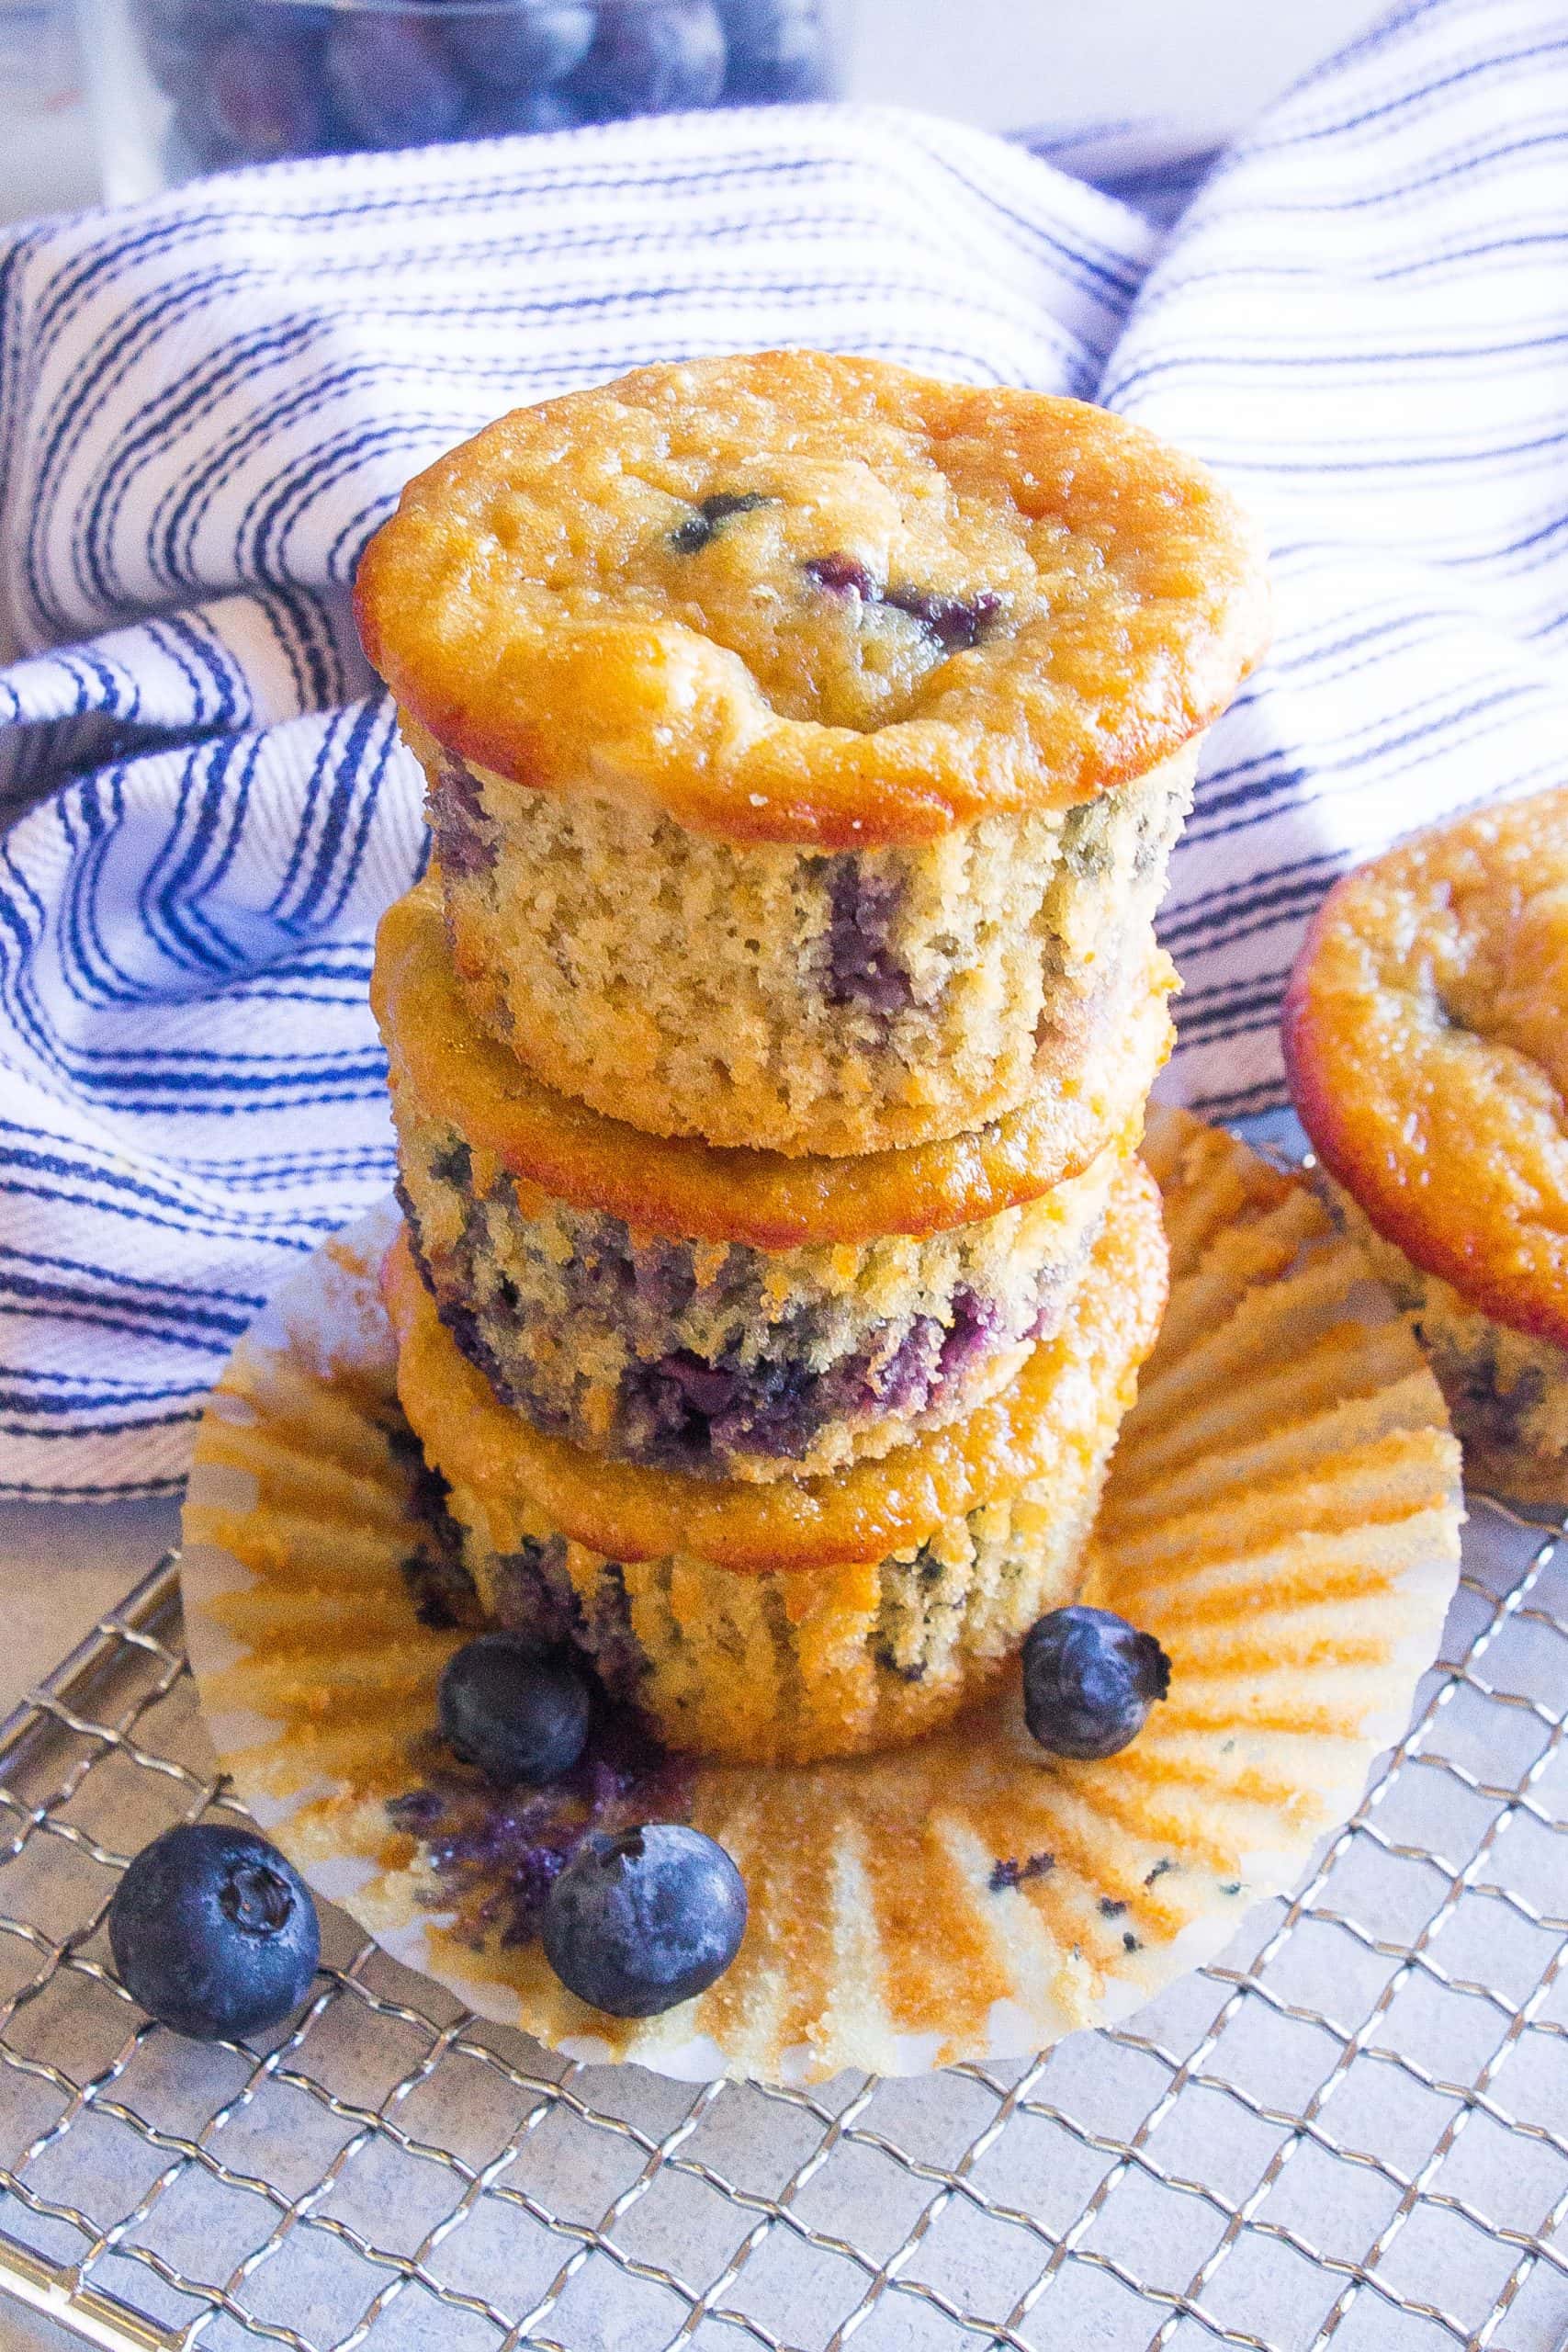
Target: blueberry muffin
(1426,1040)
(725,1313)
(809,1617)
(806,740)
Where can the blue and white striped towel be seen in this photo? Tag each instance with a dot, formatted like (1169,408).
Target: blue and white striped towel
(207,403)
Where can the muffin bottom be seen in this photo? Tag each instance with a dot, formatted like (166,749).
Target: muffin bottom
(1506,1390)
(805,1664)
(730,1363)
(841,1003)
(833,1655)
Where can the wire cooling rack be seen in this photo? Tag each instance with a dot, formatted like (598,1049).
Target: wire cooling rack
(1353,2130)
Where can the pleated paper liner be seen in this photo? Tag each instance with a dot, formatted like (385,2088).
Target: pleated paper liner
(1283,1513)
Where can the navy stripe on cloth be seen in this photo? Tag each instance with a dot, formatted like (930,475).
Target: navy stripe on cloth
(207,403)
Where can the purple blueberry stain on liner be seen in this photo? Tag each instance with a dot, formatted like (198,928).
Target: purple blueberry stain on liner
(492,1854)
(1012,1872)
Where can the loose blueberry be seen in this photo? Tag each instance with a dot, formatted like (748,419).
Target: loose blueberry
(691,536)
(521,48)
(653,57)
(511,1714)
(638,1922)
(1089,1679)
(390,81)
(213,1932)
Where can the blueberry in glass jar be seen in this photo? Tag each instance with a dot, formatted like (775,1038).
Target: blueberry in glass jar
(652,57)
(516,1717)
(778,49)
(521,47)
(213,1932)
(1089,1679)
(505,113)
(392,80)
(178,36)
(263,99)
(252,81)
(639,1922)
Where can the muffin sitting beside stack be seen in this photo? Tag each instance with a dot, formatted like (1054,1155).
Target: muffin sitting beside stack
(804,744)
(1426,1038)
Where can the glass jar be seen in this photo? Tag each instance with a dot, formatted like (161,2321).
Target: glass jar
(180,87)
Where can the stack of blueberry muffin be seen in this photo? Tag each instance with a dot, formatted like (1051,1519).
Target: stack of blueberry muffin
(770,1041)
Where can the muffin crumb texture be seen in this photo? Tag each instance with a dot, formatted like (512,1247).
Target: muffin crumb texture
(737,1626)
(1507,1390)
(722,1360)
(840,1004)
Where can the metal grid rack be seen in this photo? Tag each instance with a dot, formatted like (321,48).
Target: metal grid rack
(1353,2130)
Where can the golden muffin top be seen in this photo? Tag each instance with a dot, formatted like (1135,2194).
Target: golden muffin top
(1427,1039)
(626,1511)
(701,1192)
(794,597)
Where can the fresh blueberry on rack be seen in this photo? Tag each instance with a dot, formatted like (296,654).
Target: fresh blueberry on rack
(213,1932)
(1089,1679)
(513,1715)
(690,537)
(653,57)
(640,1921)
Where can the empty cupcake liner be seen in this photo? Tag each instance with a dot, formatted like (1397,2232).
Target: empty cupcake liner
(1282,1512)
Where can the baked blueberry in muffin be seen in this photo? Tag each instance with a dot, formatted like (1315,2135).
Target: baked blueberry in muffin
(806,1617)
(725,1313)
(806,739)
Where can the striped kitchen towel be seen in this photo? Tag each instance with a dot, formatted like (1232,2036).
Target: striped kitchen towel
(207,403)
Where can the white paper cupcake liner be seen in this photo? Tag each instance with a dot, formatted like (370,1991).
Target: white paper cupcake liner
(1282,1512)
